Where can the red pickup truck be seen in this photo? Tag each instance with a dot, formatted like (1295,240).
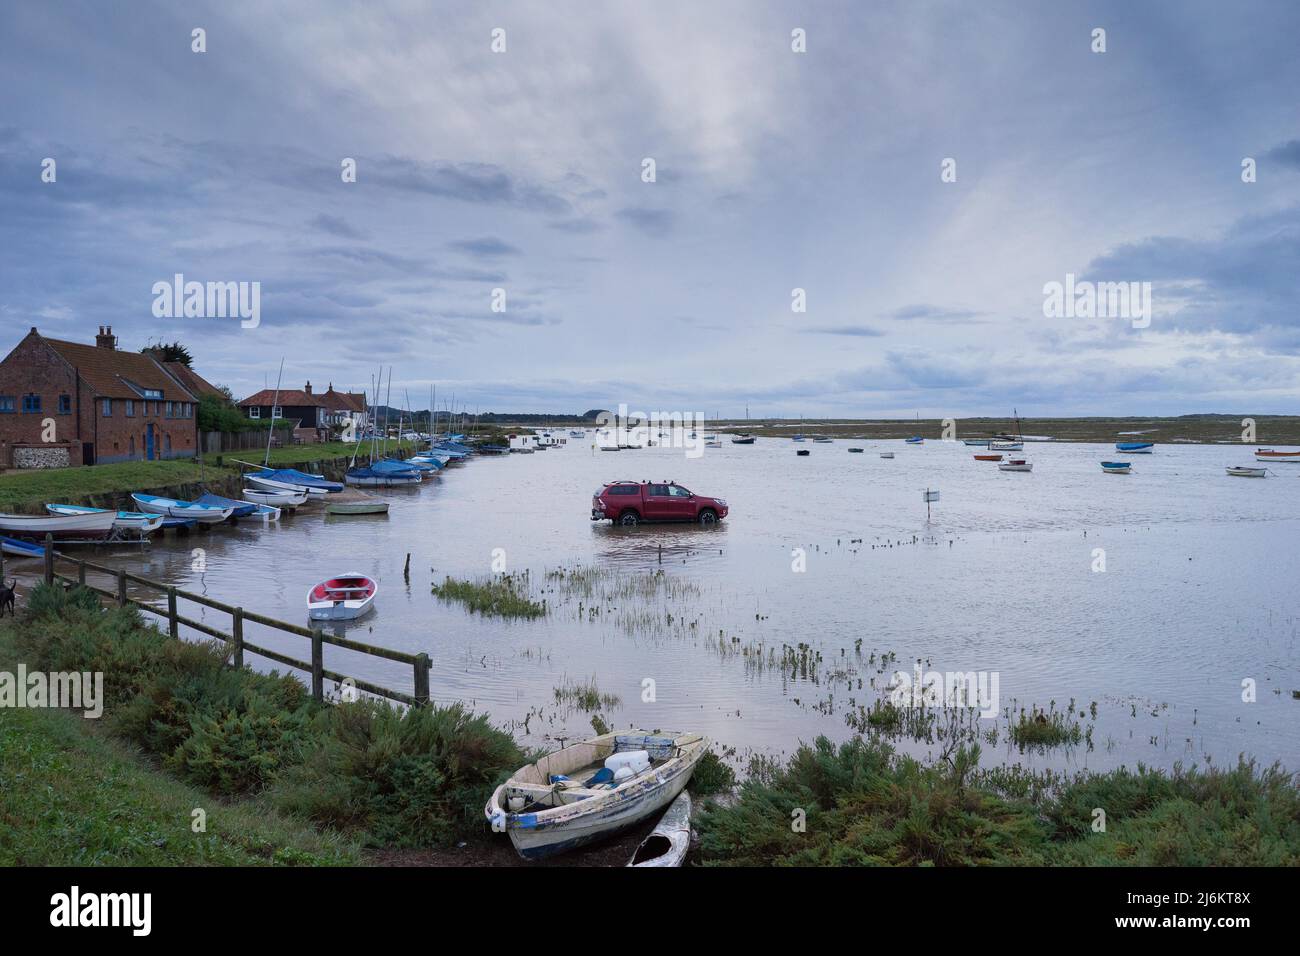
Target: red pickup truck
(631,502)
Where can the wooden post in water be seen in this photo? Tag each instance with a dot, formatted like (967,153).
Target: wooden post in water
(406,571)
(422,680)
(237,637)
(317,665)
(121,589)
(49,558)
(173,625)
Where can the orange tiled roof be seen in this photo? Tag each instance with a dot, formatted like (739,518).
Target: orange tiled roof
(108,371)
(287,396)
(192,380)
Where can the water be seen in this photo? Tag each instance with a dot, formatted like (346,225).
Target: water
(1197,594)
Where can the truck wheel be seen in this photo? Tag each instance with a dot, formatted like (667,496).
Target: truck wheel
(708,516)
(629,519)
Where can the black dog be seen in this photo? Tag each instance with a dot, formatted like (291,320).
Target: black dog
(7,597)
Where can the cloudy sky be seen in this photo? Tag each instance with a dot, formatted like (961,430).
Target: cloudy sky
(775,170)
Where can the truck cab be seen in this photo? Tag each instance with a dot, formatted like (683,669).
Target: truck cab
(630,503)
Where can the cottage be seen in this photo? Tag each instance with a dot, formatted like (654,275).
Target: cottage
(66,403)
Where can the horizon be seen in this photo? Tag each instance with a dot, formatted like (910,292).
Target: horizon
(917,193)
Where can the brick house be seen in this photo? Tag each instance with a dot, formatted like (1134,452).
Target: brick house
(305,409)
(65,403)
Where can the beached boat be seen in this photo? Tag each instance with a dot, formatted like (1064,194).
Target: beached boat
(593,789)
(1116,467)
(21,549)
(371,477)
(136,523)
(1241,472)
(275,499)
(173,508)
(1015,464)
(988,457)
(73,527)
(357,508)
(262,483)
(1006,446)
(670,839)
(1136,447)
(294,480)
(342,598)
(1269,454)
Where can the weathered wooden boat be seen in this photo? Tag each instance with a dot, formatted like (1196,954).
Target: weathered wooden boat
(174,508)
(342,598)
(1240,472)
(988,457)
(93,526)
(275,499)
(356,508)
(1136,447)
(670,839)
(21,549)
(575,796)
(1015,464)
(132,523)
(1269,454)
(1116,467)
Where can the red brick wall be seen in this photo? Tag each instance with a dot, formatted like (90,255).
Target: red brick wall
(115,432)
(34,368)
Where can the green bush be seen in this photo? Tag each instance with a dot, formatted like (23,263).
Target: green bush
(410,777)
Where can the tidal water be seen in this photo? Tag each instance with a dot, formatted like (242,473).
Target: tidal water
(1145,605)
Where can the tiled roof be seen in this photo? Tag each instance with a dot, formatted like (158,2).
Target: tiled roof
(344,401)
(108,371)
(287,396)
(192,380)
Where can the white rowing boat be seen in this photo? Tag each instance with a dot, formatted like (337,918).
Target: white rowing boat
(1240,472)
(132,522)
(72,527)
(572,797)
(174,508)
(275,499)
(670,839)
(342,598)
(1015,464)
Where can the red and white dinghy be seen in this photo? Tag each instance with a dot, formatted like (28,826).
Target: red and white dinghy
(1270,454)
(79,527)
(342,598)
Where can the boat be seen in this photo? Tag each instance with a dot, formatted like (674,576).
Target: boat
(713,443)
(743,440)
(887,454)
(585,793)
(823,439)
(342,598)
(802,452)
(21,549)
(371,477)
(128,522)
(1116,467)
(915,440)
(988,457)
(575,433)
(1136,447)
(1240,472)
(670,839)
(1006,445)
(264,513)
(293,479)
(73,527)
(1269,454)
(275,499)
(173,508)
(855,451)
(1015,464)
(357,508)
(425,465)
(179,523)
(264,483)
(978,442)
(238,509)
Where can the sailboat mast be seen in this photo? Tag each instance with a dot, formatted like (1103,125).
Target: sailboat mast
(266,463)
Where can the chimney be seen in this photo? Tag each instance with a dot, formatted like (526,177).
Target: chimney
(308,388)
(106,339)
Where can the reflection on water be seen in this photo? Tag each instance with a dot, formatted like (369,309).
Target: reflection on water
(1196,595)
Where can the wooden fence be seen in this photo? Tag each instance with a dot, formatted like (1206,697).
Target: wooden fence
(419,663)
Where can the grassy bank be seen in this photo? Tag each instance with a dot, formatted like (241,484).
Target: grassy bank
(381,776)
(861,804)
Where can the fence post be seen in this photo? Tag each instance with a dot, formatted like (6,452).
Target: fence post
(173,625)
(422,680)
(81,571)
(237,636)
(317,665)
(49,558)
(121,589)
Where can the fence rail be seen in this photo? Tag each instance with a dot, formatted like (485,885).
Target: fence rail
(419,663)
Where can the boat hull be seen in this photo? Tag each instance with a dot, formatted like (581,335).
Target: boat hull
(1282,457)
(1248,472)
(171,508)
(670,840)
(21,549)
(345,598)
(76,527)
(275,499)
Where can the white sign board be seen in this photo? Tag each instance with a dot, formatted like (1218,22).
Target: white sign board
(932,496)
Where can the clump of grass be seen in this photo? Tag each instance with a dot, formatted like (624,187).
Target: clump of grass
(712,775)
(1041,729)
(504,595)
(585,695)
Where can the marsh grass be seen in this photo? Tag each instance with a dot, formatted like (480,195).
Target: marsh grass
(502,595)
(585,695)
